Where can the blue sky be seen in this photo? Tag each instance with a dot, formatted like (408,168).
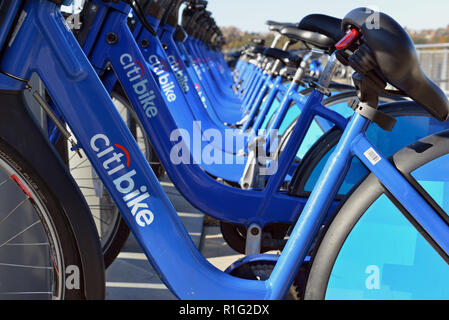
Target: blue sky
(250,15)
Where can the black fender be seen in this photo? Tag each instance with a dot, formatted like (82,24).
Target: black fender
(19,129)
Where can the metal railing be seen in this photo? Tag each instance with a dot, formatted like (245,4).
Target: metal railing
(435,62)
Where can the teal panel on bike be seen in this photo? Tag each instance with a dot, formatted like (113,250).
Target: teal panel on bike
(343,109)
(435,183)
(274,107)
(407,130)
(313,134)
(317,128)
(292,114)
(385,257)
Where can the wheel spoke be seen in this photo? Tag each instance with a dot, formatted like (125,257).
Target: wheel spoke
(79,164)
(83,167)
(101,220)
(24,292)
(13,210)
(29,244)
(4,181)
(102,205)
(18,234)
(23,266)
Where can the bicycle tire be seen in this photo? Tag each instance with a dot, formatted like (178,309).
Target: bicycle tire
(55,223)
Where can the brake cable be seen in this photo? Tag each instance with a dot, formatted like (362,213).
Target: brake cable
(27,84)
(47,109)
(140,14)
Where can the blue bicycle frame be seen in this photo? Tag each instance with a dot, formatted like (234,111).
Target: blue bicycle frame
(44,44)
(207,194)
(155,52)
(261,207)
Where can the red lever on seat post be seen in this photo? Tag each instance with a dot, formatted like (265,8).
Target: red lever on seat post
(347,39)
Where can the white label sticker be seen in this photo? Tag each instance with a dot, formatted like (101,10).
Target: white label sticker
(372,156)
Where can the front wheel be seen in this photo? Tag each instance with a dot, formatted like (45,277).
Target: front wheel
(373,249)
(39,256)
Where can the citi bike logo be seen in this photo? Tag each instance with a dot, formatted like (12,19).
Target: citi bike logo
(221,69)
(135,74)
(211,146)
(116,161)
(200,93)
(196,68)
(176,66)
(160,69)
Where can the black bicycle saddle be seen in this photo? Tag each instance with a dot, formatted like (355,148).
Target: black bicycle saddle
(322,24)
(286,57)
(277,26)
(396,57)
(318,30)
(312,38)
(256,49)
(258,41)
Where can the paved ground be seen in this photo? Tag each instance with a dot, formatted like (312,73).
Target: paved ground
(131,277)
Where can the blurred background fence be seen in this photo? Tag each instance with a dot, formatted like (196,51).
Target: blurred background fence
(435,62)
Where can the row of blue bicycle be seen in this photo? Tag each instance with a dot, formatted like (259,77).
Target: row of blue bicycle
(347,184)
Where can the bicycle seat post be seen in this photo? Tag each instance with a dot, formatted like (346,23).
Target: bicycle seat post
(276,40)
(302,67)
(328,73)
(277,64)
